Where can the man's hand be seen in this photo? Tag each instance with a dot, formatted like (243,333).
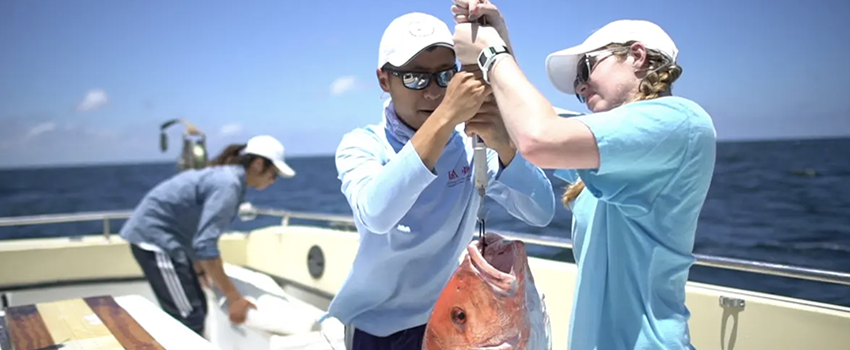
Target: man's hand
(489,126)
(464,97)
(470,39)
(238,309)
(487,123)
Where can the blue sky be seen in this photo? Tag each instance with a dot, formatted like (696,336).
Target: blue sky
(90,80)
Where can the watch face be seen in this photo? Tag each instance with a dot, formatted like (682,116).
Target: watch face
(482,58)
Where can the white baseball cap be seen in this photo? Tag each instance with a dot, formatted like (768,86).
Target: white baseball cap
(270,148)
(409,34)
(561,66)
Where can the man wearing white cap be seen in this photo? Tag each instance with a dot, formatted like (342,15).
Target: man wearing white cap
(409,182)
(640,167)
(175,228)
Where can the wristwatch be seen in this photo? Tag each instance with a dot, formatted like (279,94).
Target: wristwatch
(488,57)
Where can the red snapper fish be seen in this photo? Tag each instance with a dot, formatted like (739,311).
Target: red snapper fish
(490,303)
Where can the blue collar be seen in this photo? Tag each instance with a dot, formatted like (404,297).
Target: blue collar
(397,128)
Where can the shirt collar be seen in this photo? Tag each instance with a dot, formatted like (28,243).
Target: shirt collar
(399,130)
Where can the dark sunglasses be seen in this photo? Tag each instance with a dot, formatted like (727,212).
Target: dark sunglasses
(421,80)
(587,63)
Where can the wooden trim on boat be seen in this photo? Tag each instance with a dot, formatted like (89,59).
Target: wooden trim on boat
(66,283)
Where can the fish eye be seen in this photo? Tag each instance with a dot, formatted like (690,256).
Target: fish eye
(458,315)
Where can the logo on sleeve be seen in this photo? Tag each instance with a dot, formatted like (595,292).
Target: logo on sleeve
(455,178)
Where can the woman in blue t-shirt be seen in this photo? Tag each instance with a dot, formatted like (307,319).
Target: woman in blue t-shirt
(174,230)
(639,165)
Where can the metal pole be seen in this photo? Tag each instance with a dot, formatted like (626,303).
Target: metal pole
(106,230)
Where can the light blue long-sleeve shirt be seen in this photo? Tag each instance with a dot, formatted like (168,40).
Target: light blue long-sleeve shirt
(414,223)
(635,222)
(186,214)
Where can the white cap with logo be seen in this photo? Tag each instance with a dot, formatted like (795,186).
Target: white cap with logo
(561,66)
(409,34)
(270,148)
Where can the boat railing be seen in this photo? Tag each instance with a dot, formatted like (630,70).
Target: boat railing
(104,216)
(248,212)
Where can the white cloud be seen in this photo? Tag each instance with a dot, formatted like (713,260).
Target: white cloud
(40,129)
(343,84)
(230,129)
(67,132)
(95,98)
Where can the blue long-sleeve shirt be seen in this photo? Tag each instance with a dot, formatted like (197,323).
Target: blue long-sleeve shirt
(414,223)
(186,214)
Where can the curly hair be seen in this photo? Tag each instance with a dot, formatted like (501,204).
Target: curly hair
(659,78)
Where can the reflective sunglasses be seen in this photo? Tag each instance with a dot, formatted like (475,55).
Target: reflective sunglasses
(588,62)
(421,80)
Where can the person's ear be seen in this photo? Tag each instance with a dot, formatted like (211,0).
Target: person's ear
(383,80)
(638,52)
(257,166)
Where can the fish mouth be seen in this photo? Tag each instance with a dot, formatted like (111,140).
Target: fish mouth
(500,262)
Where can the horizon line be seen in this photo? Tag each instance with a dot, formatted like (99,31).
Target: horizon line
(59,165)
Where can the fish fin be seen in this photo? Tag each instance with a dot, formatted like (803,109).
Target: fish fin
(546,321)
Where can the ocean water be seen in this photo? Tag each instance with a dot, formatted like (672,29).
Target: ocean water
(783,202)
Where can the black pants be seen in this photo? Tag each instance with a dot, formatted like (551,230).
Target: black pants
(408,339)
(176,287)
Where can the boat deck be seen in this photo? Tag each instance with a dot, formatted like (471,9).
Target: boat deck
(296,330)
(99,322)
(293,271)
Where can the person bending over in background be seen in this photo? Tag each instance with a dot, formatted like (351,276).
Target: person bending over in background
(409,181)
(175,228)
(640,167)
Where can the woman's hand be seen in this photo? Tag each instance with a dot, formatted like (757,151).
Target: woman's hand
(238,309)
(466,11)
(470,39)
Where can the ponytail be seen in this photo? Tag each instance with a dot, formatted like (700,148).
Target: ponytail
(230,155)
(572,192)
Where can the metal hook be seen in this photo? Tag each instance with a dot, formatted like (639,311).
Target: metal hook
(481,231)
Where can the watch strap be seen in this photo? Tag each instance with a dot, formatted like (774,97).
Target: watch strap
(488,57)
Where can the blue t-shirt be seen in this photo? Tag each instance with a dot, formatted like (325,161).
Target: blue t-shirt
(634,224)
